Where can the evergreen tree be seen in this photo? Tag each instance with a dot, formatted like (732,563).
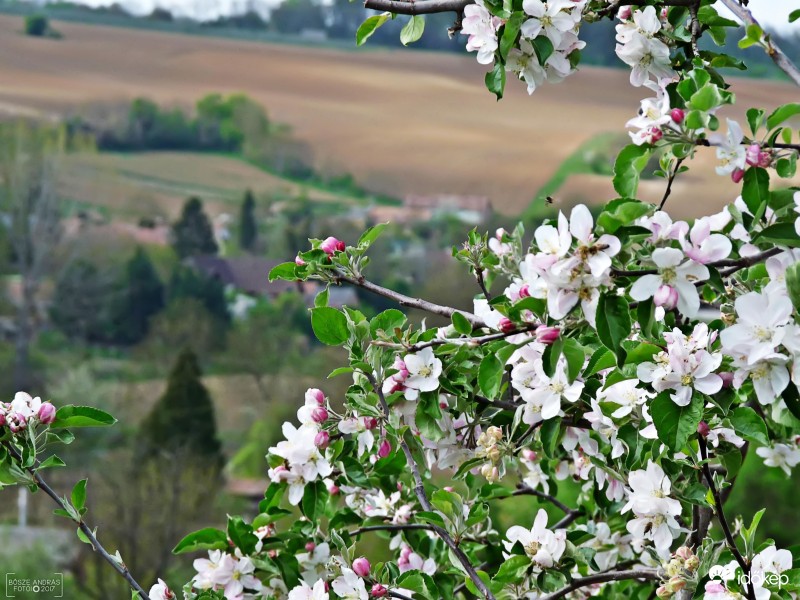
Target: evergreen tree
(80,307)
(192,233)
(248,229)
(188,283)
(141,295)
(183,418)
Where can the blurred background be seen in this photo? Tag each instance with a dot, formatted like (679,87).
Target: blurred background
(156,161)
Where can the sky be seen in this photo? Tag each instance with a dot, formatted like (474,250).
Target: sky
(772,14)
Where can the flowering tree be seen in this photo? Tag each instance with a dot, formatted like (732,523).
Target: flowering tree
(637,355)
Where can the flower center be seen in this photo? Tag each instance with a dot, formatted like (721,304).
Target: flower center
(557,387)
(532,548)
(668,276)
(425,371)
(687,380)
(762,334)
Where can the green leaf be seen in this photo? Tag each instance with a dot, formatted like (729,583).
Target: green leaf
(674,423)
(787,167)
(749,425)
(286,271)
(627,168)
(782,113)
(544,48)
(412,30)
(79,495)
(387,321)
(575,356)
(329,325)
(755,189)
(549,433)
(81,416)
(510,32)
(315,497)
(621,212)
(513,569)
(793,284)
(794,15)
(241,534)
(461,324)
(51,461)
(205,539)
(613,324)
(496,80)
(781,234)
(490,376)
(369,26)
(706,98)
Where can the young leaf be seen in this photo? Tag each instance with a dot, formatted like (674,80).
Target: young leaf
(79,495)
(490,376)
(749,425)
(205,539)
(613,324)
(81,416)
(627,168)
(412,30)
(369,26)
(329,325)
(674,423)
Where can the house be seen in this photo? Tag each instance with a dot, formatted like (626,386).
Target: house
(469,209)
(250,275)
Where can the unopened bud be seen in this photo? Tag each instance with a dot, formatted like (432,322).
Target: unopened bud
(737,175)
(692,563)
(547,335)
(333,489)
(624,13)
(655,134)
(310,546)
(529,455)
(319,415)
(677,115)
(676,584)
(370,422)
(684,553)
(331,246)
(322,440)
(666,296)
(378,591)
(361,567)
(751,154)
(315,395)
(495,432)
(299,261)
(47,413)
(663,592)
(384,449)
(448,488)
(727,379)
(525,291)
(703,429)
(506,325)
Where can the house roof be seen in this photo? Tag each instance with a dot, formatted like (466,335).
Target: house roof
(249,274)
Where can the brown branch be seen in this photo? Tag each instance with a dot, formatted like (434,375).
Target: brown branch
(407,301)
(420,7)
(419,490)
(735,263)
(524,490)
(391,527)
(775,53)
(470,341)
(87,531)
(606,576)
(670,179)
(718,506)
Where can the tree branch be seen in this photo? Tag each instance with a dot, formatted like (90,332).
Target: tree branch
(775,53)
(391,527)
(471,341)
(419,490)
(718,506)
(580,582)
(408,301)
(96,545)
(671,178)
(419,7)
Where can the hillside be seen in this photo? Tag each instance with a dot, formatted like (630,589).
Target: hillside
(400,121)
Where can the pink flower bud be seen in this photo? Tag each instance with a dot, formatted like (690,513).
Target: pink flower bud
(506,325)
(624,13)
(299,261)
(315,395)
(525,291)
(2,419)
(333,489)
(384,449)
(703,429)
(655,134)
(47,413)
(327,587)
(547,335)
(322,439)
(715,587)
(737,175)
(764,159)
(370,423)
(727,379)
(442,405)
(448,488)
(666,296)
(331,246)
(678,115)
(684,553)
(310,546)
(752,154)
(402,370)
(378,591)
(529,454)
(272,553)
(663,592)
(319,415)
(405,552)
(664,13)
(361,566)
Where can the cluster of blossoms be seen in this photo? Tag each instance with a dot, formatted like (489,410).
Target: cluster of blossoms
(25,411)
(652,507)
(543,546)
(680,573)
(639,46)
(230,573)
(556,21)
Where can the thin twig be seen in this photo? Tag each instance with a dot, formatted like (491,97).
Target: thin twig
(735,264)
(524,490)
(718,506)
(580,582)
(482,283)
(775,53)
(671,178)
(391,527)
(419,490)
(469,341)
(87,531)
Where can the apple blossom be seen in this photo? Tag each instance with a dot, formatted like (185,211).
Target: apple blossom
(780,455)
(424,370)
(675,272)
(160,591)
(306,592)
(730,151)
(349,586)
(331,246)
(543,546)
(481,27)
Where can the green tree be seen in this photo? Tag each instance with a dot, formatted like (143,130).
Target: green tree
(141,296)
(192,233)
(80,306)
(189,283)
(183,418)
(36,25)
(248,229)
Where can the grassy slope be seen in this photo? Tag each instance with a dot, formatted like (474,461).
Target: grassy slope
(401,122)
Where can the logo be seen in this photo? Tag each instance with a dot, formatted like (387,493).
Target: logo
(51,586)
(757,578)
(724,572)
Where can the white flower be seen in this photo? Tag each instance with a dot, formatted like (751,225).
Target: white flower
(213,570)
(626,395)
(314,563)
(26,405)
(239,577)
(596,254)
(160,591)
(677,273)
(759,328)
(552,18)
(730,149)
(646,57)
(543,401)
(524,63)
(350,586)
(645,23)
(653,115)
(355,425)
(481,27)
(542,546)
(780,455)
(306,592)
(655,511)
(664,230)
(724,434)
(703,246)
(769,376)
(424,370)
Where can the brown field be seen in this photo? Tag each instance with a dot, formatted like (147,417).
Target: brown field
(400,121)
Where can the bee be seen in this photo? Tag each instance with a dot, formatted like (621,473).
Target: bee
(549,200)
